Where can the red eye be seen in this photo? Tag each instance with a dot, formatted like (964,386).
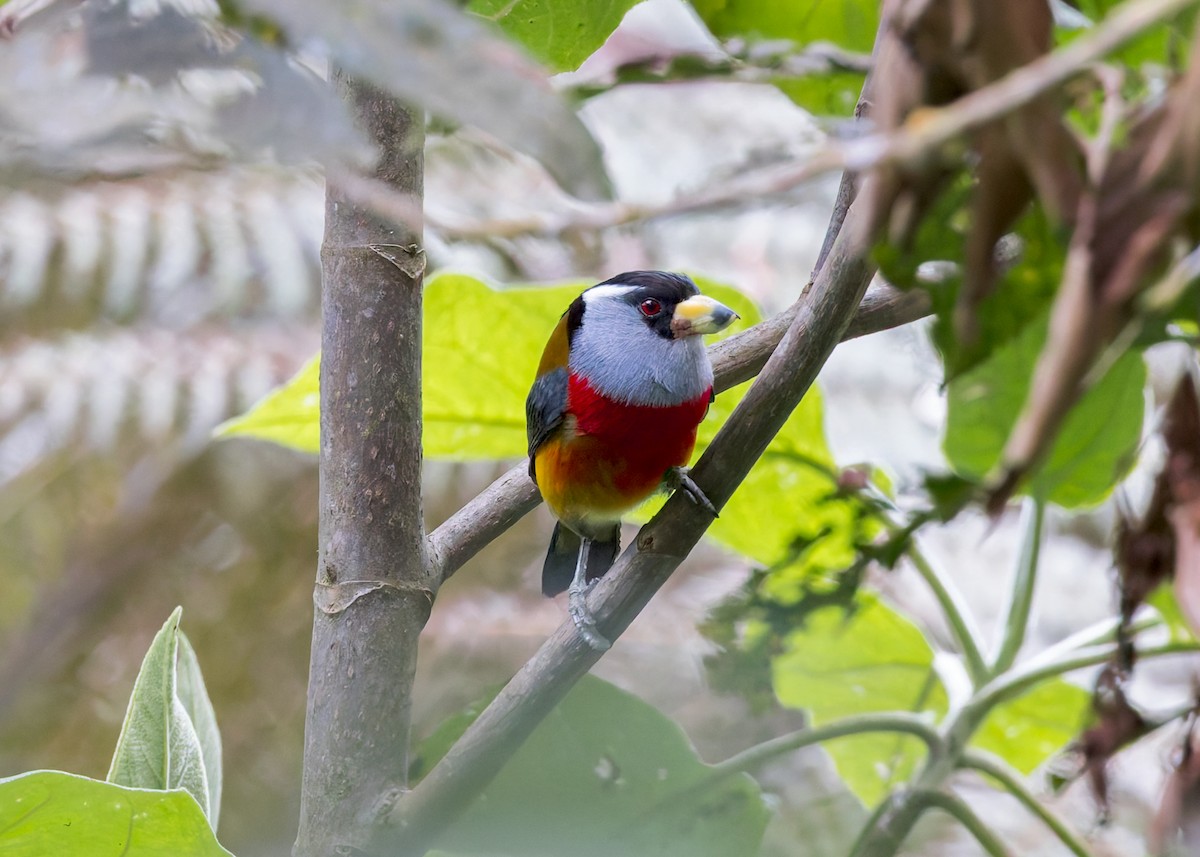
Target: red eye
(650,307)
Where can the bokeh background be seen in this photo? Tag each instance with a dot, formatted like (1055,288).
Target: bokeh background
(116,503)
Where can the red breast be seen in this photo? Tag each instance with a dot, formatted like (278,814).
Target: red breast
(638,442)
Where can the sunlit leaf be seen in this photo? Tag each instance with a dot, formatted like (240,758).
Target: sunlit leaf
(870,660)
(1163,600)
(1096,445)
(850,24)
(429,52)
(1035,726)
(51,813)
(481,349)
(159,747)
(559,33)
(1165,44)
(289,415)
(832,94)
(603,774)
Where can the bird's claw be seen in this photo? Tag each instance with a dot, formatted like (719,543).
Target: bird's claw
(677,477)
(583,618)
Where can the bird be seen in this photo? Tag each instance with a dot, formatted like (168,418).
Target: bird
(611,418)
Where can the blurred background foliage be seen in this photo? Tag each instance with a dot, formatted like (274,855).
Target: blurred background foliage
(161,206)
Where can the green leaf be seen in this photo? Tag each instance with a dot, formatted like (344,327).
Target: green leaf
(290,415)
(851,24)
(1035,726)
(1095,447)
(559,33)
(1164,601)
(1164,44)
(52,814)
(474,388)
(481,350)
(604,774)
(832,94)
(1024,288)
(159,747)
(870,660)
(194,696)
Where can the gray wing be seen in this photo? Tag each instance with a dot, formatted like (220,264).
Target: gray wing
(544,410)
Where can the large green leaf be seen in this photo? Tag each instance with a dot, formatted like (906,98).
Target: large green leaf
(850,24)
(52,814)
(1035,726)
(481,349)
(869,660)
(559,33)
(604,774)
(159,747)
(289,415)
(1096,445)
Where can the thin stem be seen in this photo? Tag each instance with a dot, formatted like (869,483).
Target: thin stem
(889,824)
(1021,679)
(1016,619)
(956,807)
(900,722)
(957,615)
(1011,781)
(1104,631)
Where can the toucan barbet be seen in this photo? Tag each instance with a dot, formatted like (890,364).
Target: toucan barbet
(611,418)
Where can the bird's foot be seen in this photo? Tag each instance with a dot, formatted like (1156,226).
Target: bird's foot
(584,620)
(677,477)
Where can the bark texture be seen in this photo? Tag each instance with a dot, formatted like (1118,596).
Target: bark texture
(372,594)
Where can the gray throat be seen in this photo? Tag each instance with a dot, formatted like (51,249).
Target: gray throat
(627,362)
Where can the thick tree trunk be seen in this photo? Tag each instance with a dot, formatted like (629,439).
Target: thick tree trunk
(372,596)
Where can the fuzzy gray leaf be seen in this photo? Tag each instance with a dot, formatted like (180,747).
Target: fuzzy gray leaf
(430,53)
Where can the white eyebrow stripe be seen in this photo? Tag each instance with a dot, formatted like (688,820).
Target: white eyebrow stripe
(601,292)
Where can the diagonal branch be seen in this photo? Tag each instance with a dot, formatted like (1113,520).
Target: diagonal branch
(735,360)
(411,822)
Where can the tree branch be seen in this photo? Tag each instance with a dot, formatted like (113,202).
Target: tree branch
(371,593)
(735,360)
(823,315)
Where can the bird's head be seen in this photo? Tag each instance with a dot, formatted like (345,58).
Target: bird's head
(668,305)
(638,337)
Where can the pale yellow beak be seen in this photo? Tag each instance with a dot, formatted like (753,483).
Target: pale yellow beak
(700,315)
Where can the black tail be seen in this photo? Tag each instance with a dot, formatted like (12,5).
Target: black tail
(564,554)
